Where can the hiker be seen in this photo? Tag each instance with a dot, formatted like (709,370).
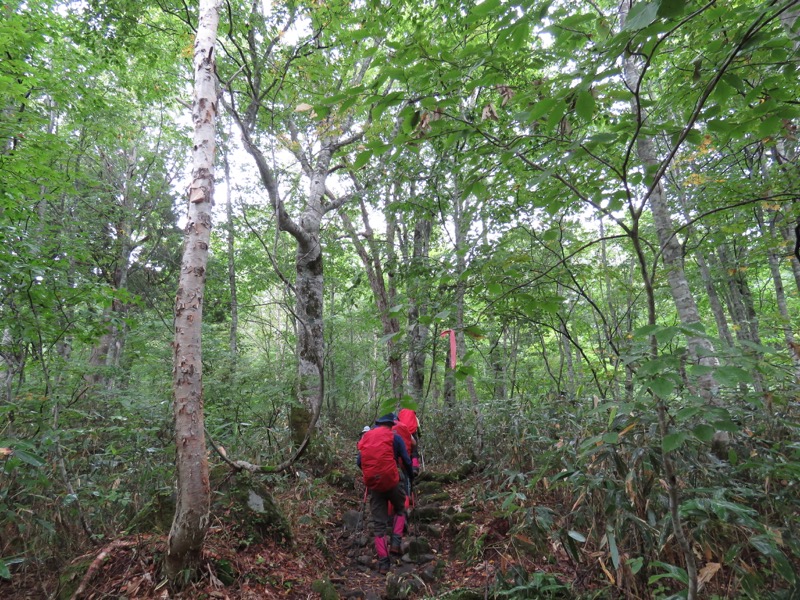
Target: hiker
(409,419)
(403,431)
(379,453)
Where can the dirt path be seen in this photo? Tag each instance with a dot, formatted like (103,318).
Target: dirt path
(453,544)
(456,547)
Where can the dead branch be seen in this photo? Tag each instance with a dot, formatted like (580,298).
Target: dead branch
(97,564)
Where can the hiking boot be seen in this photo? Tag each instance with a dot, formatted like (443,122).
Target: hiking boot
(383,566)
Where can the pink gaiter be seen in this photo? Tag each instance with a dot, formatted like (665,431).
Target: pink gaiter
(380,547)
(399,525)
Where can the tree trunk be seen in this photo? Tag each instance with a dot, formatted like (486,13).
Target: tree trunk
(681,293)
(382,291)
(395,352)
(708,282)
(189,526)
(497,360)
(613,330)
(418,308)
(713,299)
(740,302)
(780,294)
(461,220)
(310,333)
(234,332)
(671,250)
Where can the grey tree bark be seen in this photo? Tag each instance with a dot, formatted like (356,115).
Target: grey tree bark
(681,293)
(315,157)
(462,222)
(371,259)
(231,238)
(418,308)
(714,301)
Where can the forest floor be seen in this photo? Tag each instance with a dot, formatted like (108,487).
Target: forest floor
(455,543)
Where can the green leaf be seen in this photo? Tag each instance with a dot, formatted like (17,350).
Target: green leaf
(770,126)
(662,387)
(699,370)
(641,15)
(28,458)
(687,412)
(474,331)
(602,138)
(585,105)
(767,546)
(612,414)
(671,571)
(541,108)
(519,35)
(387,406)
(726,425)
(673,441)
(651,367)
(391,336)
(671,8)
(464,371)
(408,402)
(468,369)
(732,376)
(666,334)
(483,9)
(723,92)
(704,432)
(578,537)
(612,546)
(362,159)
(646,330)
(396,311)
(635,564)
(612,437)
(4,572)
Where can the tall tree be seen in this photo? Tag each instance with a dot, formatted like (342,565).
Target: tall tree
(277,110)
(193,495)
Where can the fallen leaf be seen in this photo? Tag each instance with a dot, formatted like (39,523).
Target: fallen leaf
(707,573)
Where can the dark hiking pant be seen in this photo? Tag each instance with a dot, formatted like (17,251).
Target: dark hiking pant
(379,507)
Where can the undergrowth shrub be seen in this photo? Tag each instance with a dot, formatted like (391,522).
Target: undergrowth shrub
(593,483)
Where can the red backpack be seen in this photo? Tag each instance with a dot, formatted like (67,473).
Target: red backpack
(409,418)
(401,430)
(377,459)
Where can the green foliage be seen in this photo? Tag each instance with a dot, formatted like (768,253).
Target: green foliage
(519,584)
(507,124)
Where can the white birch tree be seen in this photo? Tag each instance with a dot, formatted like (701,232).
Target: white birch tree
(193,495)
